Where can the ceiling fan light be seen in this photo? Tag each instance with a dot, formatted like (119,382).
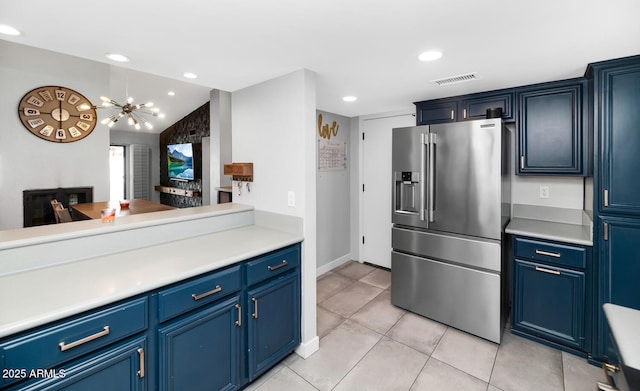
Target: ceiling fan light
(129,100)
(148,104)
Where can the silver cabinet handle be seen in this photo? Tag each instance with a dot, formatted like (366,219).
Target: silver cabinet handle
(464,115)
(239,321)
(282,264)
(141,356)
(255,308)
(522,162)
(606,197)
(452,115)
(217,289)
(541,269)
(66,346)
(547,253)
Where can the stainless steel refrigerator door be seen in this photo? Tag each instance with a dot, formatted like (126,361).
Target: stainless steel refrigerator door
(409,160)
(466,187)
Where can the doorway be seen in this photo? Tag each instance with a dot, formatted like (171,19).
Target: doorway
(376,197)
(117,173)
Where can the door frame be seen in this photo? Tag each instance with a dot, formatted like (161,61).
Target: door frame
(357,245)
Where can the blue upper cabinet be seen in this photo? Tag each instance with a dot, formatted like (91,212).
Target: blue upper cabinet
(619,137)
(436,111)
(550,138)
(475,106)
(464,108)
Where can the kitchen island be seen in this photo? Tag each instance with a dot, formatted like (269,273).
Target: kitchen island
(49,294)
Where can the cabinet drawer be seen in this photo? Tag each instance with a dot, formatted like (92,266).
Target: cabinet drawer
(272,265)
(58,344)
(560,254)
(193,294)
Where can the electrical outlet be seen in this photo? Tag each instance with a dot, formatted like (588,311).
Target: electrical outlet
(291,198)
(544,191)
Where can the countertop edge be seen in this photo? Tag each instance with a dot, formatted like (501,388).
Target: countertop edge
(540,229)
(621,321)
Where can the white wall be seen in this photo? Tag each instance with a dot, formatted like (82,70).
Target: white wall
(28,162)
(273,127)
(333,197)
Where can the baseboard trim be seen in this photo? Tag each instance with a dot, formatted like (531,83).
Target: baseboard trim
(333,264)
(306,349)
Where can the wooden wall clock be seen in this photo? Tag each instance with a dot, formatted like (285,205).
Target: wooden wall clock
(57,114)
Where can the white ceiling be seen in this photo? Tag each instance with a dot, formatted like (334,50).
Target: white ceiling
(364,48)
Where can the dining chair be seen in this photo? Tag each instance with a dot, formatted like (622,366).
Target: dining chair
(63,215)
(56,205)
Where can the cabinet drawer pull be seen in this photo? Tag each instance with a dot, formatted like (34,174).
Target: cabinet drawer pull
(547,253)
(255,308)
(239,321)
(65,346)
(541,269)
(464,115)
(522,162)
(141,355)
(452,115)
(282,264)
(211,292)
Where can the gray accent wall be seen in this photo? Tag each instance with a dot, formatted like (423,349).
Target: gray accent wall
(333,197)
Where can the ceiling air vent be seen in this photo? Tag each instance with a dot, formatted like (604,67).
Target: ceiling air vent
(445,81)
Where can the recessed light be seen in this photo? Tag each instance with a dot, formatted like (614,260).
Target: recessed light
(117,57)
(171,93)
(190,75)
(350,99)
(430,55)
(8,30)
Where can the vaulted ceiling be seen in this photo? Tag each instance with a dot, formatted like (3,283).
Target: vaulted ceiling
(368,49)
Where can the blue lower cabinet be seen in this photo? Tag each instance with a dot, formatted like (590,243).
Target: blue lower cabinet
(619,264)
(120,368)
(549,302)
(273,322)
(201,351)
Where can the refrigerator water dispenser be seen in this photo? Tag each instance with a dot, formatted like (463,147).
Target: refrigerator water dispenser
(407,192)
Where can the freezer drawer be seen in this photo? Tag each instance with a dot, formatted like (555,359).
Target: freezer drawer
(464,250)
(460,297)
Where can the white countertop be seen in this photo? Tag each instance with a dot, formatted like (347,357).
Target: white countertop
(551,230)
(78,229)
(625,326)
(33,298)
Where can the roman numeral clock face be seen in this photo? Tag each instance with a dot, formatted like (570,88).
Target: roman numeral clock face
(57,114)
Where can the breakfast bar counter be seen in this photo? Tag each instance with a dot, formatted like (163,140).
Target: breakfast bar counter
(42,292)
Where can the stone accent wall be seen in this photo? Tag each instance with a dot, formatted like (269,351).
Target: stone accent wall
(190,129)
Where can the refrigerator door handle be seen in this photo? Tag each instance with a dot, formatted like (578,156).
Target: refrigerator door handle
(423,169)
(432,177)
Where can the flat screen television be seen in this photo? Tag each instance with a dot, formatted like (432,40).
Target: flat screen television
(180,162)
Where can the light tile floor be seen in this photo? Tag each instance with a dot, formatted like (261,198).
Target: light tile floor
(368,344)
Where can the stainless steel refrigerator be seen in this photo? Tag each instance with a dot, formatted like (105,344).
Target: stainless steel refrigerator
(450,203)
